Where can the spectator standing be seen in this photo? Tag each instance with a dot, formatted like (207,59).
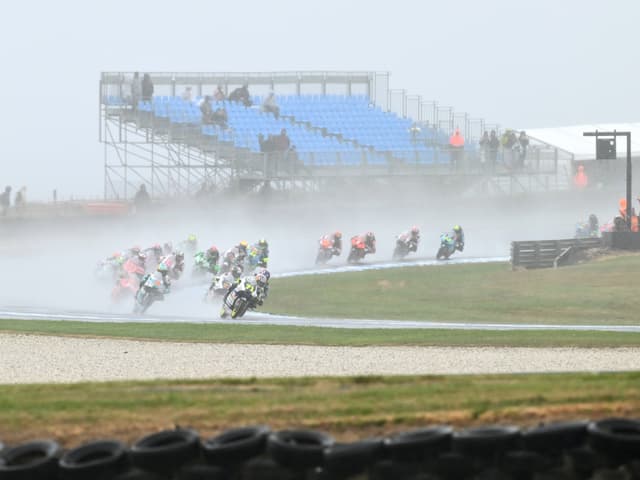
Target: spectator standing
(241,94)
(282,141)
(494,144)
(142,198)
(456,144)
(581,180)
(207,111)
(270,106)
(147,88)
(20,199)
(136,89)
(484,148)
(186,94)
(5,200)
(523,141)
(219,95)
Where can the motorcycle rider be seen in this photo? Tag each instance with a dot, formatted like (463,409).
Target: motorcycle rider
(334,240)
(259,254)
(154,253)
(247,284)
(410,238)
(235,256)
(458,236)
(209,259)
(262,277)
(370,242)
(230,277)
(172,265)
(190,245)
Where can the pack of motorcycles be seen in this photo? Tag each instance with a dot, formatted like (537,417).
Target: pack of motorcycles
(240,281)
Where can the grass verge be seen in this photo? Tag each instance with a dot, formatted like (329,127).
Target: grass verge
(348,408)
(268,334)
(598,292)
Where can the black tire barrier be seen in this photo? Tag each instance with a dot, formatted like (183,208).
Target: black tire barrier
(235,446)
(616,438)
(166,451)
(608,448)
(99,460)
(36,460)
(486,441)
(553,438)
(343,460)
(298,449)
(203,472)
(418,445)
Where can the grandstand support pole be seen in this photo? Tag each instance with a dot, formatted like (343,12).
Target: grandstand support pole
(613,135)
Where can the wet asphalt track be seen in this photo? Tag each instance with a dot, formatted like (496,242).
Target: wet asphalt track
(257,318)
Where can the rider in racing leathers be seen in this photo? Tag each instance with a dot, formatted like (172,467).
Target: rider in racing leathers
(458,236)
(209,260)
(234,256)
(410,238)
(262,277)
(368,240)
(190,245)
(247,284)
(335,240)
(171,267)
(259,253)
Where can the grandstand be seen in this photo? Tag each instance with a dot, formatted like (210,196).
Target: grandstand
(340,124)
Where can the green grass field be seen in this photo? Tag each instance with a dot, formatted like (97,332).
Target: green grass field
(266,334)
(348,408)
(600,292)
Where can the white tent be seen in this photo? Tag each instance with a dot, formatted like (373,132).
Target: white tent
(571,139)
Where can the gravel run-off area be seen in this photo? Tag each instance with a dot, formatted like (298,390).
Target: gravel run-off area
(47,359)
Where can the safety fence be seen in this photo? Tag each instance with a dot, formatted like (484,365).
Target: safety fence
(603,449)
(549,253)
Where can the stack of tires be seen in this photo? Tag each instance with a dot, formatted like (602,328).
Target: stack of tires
(602,449)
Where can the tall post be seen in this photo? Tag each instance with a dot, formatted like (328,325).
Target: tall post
(628,134)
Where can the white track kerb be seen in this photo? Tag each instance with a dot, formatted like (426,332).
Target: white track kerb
(257,318)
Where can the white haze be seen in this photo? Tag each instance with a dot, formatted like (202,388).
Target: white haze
(50,264)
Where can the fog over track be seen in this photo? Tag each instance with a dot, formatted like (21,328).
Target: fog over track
(48,274)
(48,264)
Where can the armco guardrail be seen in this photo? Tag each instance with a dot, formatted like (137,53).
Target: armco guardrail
(608,448)
(543,253)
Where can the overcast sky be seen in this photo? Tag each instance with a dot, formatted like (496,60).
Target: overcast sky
(524,64)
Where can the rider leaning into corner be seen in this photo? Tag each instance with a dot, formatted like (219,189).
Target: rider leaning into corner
(209,259)
(410,238)
(260,253)
(257,285)
(234,256)
(335,241)
(171,267)
(366,241)
(458,236)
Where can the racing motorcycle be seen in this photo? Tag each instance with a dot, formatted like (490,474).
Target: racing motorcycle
(238,300)
(325,251)
(151,290)
(447,247)
(359,249)
(222,283)
(403,248)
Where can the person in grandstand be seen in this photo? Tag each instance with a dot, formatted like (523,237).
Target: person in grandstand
(241,94)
